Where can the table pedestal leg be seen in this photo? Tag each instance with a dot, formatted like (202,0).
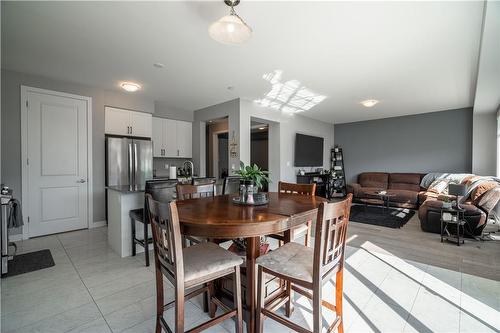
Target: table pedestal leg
(253,252)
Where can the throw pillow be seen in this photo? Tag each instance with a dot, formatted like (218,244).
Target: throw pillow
(482,189)
(439,186)
(490,199)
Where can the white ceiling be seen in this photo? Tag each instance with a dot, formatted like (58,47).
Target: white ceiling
(414,57)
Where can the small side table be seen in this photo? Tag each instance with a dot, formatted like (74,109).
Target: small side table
(456,219)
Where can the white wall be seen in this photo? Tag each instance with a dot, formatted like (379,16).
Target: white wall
(230,109)
(163,110)
(282,130)
(487,97)
(484,144)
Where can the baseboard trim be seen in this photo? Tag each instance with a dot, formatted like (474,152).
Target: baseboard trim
(97,224)
(15,238)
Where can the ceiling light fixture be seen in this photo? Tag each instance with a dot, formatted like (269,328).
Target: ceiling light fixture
(158,65)
(130,86)
(262,128)
(230,29)
(369,103)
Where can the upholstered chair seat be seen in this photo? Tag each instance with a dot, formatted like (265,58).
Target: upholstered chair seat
(207,261)
(292,259)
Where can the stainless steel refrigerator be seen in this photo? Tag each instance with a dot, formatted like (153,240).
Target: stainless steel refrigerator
(128,161)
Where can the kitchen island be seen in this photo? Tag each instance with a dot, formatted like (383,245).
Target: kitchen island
(122,199)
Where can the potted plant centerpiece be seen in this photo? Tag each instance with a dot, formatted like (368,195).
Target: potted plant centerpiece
(253,178)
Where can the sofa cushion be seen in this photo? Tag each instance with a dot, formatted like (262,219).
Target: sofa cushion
(482,189)
(377,180)
(404,181)
(368,192)
(404,196)
(424,195)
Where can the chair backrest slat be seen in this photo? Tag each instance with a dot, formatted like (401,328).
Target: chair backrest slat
(331,233)
(203,181)
(185,192)
(167,237)
(304,189)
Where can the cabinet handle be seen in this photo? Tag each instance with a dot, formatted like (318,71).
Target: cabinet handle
(177,152)
(131,129)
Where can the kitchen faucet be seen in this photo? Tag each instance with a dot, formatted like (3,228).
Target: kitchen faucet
(191,167)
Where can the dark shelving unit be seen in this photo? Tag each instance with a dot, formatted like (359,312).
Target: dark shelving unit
(337,183)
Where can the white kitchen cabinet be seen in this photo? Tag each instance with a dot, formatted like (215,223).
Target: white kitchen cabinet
(157,137)
(170,130)
(184,139)
(140,124)
(126,122)
(172,138)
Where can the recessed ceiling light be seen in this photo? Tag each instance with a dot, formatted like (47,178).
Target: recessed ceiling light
(369,103)
(230,88)
(130,86)
(158,65)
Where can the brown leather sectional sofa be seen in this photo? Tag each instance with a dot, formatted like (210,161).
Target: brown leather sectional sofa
(404,186)
(409,194)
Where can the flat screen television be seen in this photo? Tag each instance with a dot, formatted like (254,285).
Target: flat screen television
(308,151)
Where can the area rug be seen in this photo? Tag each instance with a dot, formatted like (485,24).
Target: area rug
(391,218)
(29,262)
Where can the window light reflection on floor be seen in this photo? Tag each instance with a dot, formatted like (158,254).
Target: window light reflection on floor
(290,96)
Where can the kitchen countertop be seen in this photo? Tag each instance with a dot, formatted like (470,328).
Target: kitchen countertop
(141,188)
(127,188)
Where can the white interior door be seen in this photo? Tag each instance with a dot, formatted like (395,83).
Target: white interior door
(57,168)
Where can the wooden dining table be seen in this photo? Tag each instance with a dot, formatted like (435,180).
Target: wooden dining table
(218,217)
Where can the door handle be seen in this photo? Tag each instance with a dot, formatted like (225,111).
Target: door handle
(81,181)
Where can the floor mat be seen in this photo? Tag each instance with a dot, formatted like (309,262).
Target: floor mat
(29,262)
(391,218)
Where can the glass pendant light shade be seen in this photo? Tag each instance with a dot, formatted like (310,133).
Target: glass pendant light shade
(230,29)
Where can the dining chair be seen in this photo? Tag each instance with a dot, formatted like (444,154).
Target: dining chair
(203,181)
(231,185)
(160,190)
(307,269)
(303,189)
(186,191)
(194,267)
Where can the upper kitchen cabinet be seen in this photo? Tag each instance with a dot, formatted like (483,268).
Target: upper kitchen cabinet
(172,138)
(184,139)
(129,123)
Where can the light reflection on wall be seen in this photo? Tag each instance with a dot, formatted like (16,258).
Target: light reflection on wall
(290,96)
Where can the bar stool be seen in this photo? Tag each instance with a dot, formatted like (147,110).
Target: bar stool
(303,189)
(160,190)
(306,269)
(186,268)
(231,185)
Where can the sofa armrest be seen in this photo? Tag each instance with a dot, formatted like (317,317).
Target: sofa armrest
(354,188)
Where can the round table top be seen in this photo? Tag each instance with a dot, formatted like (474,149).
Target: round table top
(219,217)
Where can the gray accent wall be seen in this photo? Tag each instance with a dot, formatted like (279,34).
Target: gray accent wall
(436,141)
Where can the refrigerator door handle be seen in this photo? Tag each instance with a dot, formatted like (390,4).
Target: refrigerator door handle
(130,166)
(135,162)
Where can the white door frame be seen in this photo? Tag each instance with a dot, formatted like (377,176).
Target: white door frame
(216,152)
(24,152)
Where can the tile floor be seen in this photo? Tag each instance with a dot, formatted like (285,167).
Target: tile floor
(91,289)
